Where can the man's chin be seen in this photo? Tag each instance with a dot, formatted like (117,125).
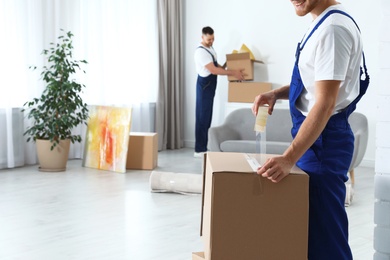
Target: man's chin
(301,13)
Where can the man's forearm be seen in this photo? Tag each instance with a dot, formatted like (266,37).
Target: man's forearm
(282,92)
(221,71)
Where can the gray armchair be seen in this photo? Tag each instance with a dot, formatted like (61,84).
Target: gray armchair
(236,134)
(359,125)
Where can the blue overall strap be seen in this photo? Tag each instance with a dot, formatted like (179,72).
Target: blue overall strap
(214,61)
(323,19)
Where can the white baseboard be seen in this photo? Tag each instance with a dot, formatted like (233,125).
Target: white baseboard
(189,144)
(367,163)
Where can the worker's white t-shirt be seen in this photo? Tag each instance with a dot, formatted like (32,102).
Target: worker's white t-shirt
(333,52)
(202,58)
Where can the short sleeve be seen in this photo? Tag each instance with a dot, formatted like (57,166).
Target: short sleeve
(332,53)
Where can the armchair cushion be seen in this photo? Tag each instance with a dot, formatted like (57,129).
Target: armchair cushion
(237,133)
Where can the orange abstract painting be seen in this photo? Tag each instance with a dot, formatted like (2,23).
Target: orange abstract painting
(107,138)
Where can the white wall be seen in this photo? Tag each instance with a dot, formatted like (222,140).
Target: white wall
(382,168)
(271,29)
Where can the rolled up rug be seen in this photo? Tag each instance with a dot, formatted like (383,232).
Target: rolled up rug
(183,183)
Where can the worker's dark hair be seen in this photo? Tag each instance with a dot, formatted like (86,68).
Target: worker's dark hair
(207,30)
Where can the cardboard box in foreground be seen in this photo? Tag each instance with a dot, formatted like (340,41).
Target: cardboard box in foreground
(245,92)
(142,151)
(246,216)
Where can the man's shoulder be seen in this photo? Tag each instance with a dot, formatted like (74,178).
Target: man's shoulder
(339,18)
(340,25)
(201,48)
(202,51)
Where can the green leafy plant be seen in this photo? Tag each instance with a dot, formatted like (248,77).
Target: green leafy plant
(59,108)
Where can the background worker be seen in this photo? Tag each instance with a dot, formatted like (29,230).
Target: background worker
(207,68)
(323,92)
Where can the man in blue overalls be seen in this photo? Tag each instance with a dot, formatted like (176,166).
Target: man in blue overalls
(208,69)
(325,87)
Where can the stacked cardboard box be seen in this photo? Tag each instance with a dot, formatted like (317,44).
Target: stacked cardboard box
(246,217)
(244,92)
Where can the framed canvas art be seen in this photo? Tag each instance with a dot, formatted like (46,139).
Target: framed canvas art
(107,138)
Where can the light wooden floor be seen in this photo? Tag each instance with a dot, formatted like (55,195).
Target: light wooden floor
(90,214)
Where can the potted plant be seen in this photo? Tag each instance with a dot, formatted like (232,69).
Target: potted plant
(59,108)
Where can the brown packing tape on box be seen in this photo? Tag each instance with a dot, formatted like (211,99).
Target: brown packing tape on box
(245,92)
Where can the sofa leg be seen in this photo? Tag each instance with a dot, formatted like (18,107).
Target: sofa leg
(352,176)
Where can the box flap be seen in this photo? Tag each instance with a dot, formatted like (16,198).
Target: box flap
(221,162)
(238,162)
(198,256)
(238,56)
(259,61)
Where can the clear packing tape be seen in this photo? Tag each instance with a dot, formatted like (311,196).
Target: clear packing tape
(260,128)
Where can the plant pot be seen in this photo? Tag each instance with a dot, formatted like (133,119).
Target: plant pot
(52,160)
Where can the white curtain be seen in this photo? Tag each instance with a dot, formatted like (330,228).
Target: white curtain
(118,38)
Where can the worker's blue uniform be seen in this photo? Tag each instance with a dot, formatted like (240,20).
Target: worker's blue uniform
(205,92)
(327,163)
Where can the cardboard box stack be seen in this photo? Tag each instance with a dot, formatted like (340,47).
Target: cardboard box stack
(246,217)
(244,92)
